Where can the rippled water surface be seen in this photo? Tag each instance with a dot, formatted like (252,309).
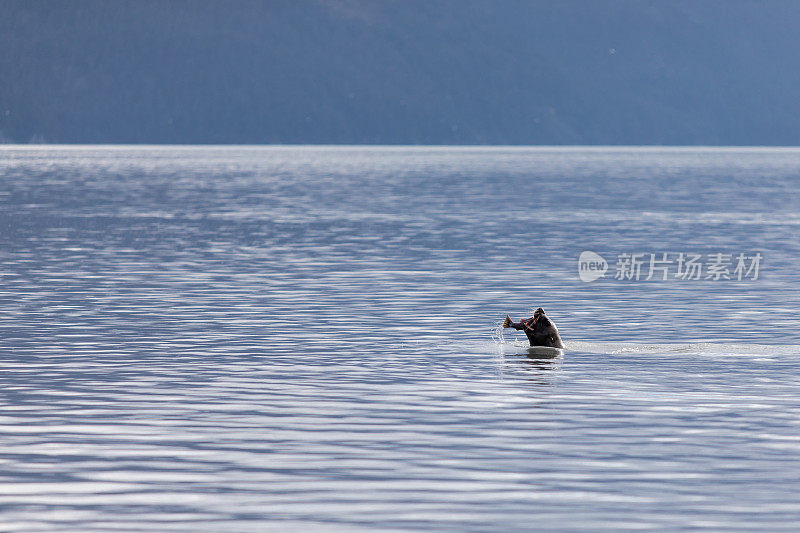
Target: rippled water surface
(257,339)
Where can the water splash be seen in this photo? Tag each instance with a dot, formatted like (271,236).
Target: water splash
(497,334)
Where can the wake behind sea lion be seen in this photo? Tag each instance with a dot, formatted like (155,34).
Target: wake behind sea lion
(541,331)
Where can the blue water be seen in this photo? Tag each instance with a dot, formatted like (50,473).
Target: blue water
(263,338)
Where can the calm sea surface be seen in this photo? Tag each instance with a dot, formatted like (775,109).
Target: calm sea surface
(305,339)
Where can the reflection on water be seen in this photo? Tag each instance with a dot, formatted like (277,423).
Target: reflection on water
(247,339)
(536,367)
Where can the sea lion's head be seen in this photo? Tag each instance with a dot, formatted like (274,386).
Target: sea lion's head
(540,320)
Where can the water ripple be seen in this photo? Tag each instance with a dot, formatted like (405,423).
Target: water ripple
(257,339)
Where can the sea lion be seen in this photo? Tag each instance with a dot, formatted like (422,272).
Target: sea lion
(541,331)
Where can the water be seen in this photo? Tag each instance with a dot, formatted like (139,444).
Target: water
(256,339)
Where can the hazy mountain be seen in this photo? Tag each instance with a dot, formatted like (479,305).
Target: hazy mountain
(358,71)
